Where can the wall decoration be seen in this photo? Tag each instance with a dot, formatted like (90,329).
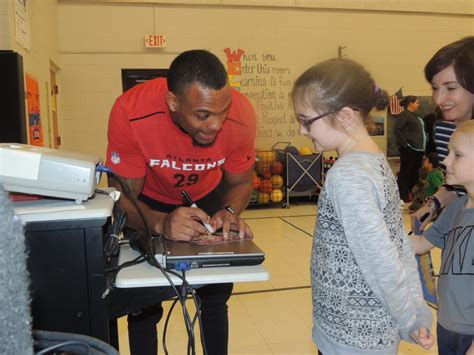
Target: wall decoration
(22,24)
(376,127)
(267,83)
(34,116)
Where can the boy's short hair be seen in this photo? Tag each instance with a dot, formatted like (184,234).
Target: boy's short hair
(422,173)
(433,158)
(466,127)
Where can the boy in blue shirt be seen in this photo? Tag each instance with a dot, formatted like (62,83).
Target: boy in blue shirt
(453,232)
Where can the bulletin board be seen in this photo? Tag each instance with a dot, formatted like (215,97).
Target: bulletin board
(266,78)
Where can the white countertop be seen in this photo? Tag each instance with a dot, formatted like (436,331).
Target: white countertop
(146,275)
(49,209)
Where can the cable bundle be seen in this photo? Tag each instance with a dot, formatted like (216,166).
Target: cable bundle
(143,242)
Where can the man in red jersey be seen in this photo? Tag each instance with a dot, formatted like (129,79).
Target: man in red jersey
(190,132)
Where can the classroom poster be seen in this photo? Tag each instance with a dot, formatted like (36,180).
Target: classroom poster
(22,24)
(376,127)
(35,128)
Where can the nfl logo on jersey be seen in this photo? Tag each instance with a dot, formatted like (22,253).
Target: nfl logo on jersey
(115,158)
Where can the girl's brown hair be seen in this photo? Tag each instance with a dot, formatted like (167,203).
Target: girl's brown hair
(337,83)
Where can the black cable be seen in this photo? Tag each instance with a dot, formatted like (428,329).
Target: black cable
(111,246)
(191,337)
(110,280)
(126,190)
(187,319)
(112,240)
(196,304)
(196,316)
(150,258)
(102,192)
(165,327)
(138,260)
(62,345)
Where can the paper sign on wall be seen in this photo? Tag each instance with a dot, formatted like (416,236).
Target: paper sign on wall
(34,116)
(22,24)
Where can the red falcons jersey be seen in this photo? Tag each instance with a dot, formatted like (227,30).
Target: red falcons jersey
(143,141)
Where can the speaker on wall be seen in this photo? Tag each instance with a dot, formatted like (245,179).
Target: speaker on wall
(12,99)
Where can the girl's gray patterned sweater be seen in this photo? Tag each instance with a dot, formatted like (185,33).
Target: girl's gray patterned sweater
(366,289)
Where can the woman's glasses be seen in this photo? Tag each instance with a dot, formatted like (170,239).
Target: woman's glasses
(307,123)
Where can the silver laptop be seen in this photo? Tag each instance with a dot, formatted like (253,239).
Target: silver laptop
(185,255)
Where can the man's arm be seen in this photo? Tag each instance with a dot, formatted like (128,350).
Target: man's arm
(181,224)
(240,189)
(237,197)
(134,220)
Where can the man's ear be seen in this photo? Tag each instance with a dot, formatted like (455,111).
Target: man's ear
(346,116)
(171,101)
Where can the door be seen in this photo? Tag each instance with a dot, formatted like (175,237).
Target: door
(55,138)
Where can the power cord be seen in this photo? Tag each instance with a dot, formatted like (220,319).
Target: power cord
(190,324)
(112,241)
(65,344)
(149,256)
(113,272)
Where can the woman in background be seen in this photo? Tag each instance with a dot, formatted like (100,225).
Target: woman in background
(411,141)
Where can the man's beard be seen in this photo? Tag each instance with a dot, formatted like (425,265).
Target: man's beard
(197,144)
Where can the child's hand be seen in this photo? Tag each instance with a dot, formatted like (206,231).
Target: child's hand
(421,218)
(470,351)
(424,338)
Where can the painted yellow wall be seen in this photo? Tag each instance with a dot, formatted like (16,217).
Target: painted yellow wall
(43,17)
(97,40)
(4,25)
(459,7)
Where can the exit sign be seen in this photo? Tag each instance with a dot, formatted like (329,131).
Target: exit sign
(155,41)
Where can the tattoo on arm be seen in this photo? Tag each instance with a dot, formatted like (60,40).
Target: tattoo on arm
(134,185)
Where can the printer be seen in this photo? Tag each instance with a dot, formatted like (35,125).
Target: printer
(49,172)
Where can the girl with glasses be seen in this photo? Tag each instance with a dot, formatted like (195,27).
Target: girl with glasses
(365,285)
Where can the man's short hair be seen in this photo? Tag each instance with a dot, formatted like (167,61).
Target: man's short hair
(198,66)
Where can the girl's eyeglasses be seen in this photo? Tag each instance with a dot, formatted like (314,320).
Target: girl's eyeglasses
(307,123)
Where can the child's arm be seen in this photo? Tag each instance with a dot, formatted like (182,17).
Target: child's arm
(443,196)
(470,351)
(420,244)
(424,338)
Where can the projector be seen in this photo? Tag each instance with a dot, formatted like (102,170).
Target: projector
(48,172)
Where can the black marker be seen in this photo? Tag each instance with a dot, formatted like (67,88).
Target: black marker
(425,216)
(418,223)
(192,204)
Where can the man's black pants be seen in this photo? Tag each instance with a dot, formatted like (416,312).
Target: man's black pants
(143,305)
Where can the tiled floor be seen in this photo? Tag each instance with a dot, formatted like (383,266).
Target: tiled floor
(272,317)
